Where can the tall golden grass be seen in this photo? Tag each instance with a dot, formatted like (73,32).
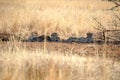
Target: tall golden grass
(67,18)
(18,63)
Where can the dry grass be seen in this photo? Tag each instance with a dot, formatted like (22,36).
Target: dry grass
(56,61)
(18,62)
(68,18)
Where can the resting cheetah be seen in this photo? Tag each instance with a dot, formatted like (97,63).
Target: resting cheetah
(55,37)
(4,37)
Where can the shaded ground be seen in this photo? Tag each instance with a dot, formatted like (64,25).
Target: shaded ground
(69,48)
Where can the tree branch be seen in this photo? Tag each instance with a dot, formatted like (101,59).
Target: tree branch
(116,5)
(102,27)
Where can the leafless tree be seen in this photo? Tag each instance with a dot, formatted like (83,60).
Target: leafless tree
(110,34)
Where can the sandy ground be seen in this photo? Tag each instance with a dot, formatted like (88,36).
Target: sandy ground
(68,48)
